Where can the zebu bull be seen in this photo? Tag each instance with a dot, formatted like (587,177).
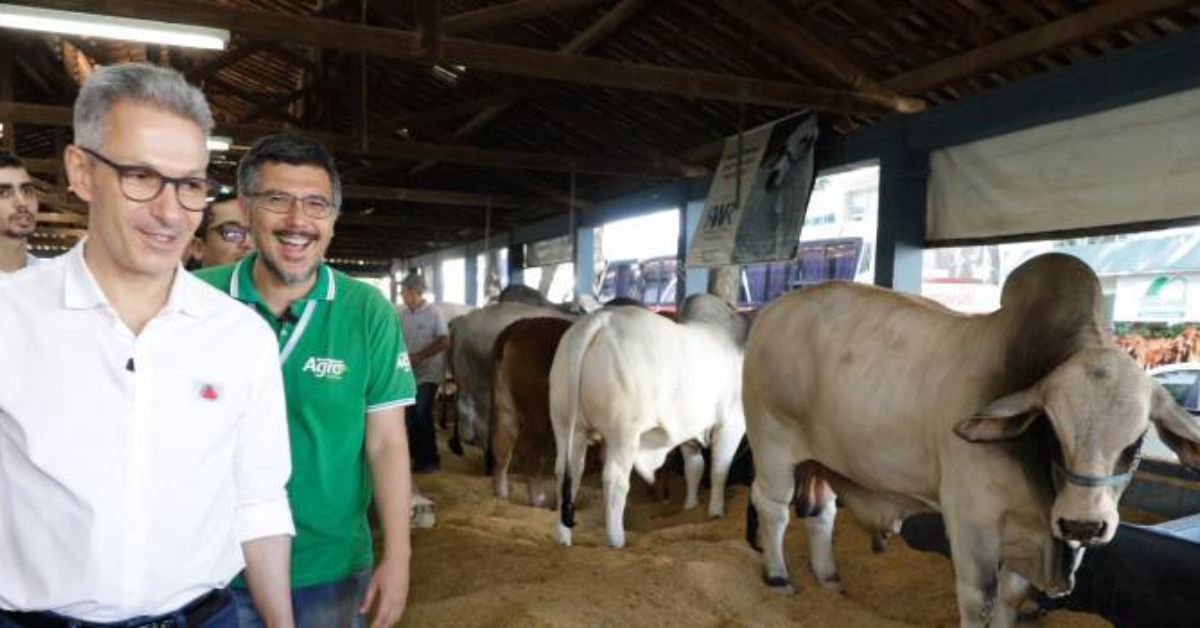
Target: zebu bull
(472,340)
(1022,427)
(520,417)
(645,385)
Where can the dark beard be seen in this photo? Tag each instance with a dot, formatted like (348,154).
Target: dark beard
(288,279)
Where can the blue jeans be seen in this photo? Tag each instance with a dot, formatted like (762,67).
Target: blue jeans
(326,605)
(227,617)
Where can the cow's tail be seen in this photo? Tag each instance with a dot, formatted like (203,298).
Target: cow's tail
(589,328)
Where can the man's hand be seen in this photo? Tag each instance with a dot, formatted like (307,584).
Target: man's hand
(388,592)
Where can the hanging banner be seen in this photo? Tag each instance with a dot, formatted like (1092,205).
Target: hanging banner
(546,252)
(777,171)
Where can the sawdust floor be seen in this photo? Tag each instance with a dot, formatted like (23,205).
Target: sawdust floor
(494,563)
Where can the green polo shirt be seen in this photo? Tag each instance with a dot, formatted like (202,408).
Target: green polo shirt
(343,356)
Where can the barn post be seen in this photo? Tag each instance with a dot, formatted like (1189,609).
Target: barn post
(471,268)
(903,182)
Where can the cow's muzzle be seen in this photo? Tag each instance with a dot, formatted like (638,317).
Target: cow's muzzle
(1083,532)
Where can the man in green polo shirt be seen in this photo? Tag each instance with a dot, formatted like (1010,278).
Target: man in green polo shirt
(347,379)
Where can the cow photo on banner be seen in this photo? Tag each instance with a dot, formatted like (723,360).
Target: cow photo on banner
(758,197)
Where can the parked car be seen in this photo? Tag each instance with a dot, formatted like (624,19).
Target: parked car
(1183,382)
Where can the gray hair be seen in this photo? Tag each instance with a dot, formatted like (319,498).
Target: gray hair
(286,148)
(161,87)
(414,281)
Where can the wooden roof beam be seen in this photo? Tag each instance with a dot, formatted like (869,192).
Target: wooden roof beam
(1081,26)
(273,104)
(231,57)
(488,57)
(592,36)
(793,39)
(439,197)
(509,13)
(428,15)
(449,112)
(49,115)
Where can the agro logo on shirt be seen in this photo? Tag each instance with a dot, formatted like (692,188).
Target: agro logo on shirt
(402,361)
(325,368)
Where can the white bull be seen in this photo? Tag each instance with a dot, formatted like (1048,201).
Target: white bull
(1022,427)
(645,385)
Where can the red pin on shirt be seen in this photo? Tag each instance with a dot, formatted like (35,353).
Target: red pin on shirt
(209,392)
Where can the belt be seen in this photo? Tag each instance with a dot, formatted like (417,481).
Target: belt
(192,614)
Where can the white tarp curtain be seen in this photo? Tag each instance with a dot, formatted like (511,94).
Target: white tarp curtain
(1132,164)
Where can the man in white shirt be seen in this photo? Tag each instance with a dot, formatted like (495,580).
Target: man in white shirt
(18,214)
(143,436)
(425,331)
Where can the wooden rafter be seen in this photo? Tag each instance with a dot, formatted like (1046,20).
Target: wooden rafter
(590,37)
(509,13)
(1081,26)
(231,57)
(276,103)
(347,144)
(440,197)
(792,38)
(449,112)
(428,14)
(488,57)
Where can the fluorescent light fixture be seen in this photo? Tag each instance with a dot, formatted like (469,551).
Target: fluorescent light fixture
(109,27)
(219,144)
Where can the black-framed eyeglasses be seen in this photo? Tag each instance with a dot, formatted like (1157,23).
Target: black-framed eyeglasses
(142,184)
(231,232)
(278,202)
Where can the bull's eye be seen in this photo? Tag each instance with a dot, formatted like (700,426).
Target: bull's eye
(1131,455)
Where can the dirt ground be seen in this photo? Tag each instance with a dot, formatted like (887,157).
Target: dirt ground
(491,563)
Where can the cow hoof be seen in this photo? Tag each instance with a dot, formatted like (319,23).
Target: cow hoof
(689,503)
(834,583)
(716,512)
(455,446)
(616,541)
(563,535)
(781,584)
(879,543)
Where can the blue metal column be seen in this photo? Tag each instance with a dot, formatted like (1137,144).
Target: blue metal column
(585,261)
(696,279)
(903,183)
(472,269)
(516,264)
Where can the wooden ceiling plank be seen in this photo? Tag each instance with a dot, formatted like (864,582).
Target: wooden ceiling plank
(488,57)
(509,13)
(445,113)
(49,115)
(592,36)
(1073,29)
(440,197)
(272,105)
(792,38)
(231,57)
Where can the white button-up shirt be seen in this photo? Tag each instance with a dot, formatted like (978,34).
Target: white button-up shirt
(128,492)
(30,262)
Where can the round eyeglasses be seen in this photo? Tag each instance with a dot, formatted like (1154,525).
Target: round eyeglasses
(142,184)
(278,202)
(231,232)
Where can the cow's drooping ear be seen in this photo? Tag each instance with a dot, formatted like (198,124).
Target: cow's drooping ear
(1178,429)
(1003,419)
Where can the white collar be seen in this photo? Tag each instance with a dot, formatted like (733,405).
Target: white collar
(82,292)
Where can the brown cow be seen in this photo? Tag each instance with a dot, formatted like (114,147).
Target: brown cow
(520,413)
